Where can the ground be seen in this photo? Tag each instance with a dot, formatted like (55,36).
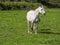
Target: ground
(13,28)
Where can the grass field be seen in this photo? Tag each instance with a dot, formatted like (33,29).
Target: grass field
(13,28)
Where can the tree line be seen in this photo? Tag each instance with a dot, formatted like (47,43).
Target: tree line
(27,4)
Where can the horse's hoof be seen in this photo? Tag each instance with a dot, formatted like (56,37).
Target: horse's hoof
(35,33)
(30,32)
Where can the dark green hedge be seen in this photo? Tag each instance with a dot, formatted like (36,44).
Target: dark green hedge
(18,5)
(55,3)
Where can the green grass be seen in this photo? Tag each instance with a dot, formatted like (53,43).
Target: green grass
(13,28)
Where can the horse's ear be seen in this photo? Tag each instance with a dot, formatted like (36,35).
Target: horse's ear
(42,6)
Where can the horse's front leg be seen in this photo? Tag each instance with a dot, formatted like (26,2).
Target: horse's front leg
(29,27)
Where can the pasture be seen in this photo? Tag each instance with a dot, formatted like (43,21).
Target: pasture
(13,28)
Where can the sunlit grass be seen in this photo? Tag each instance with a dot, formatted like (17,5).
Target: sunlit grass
(13,28)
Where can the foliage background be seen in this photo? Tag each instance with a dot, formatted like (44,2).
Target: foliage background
(27,4)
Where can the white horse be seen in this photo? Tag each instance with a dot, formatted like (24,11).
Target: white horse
(33,19)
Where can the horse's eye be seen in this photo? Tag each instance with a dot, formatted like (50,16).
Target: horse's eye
(41,9)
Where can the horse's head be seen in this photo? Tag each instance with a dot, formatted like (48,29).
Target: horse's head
(41,10)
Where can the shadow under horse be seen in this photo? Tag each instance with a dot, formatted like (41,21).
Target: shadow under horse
(47,31)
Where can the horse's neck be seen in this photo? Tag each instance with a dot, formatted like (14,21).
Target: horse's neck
(37,11)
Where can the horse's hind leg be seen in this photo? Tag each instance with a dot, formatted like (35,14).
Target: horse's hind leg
(32,24)
(29,27)
(36,28)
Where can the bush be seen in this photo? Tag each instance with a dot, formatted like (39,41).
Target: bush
(55,3)
(18,5)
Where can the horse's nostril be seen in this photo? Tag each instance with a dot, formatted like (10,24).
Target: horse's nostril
(44,13)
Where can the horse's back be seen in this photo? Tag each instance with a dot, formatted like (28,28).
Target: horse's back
(31,12)
(30,15)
